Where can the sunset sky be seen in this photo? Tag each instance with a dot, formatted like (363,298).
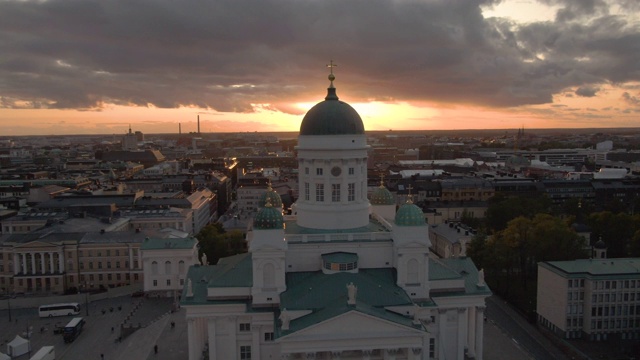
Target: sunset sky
(96,66)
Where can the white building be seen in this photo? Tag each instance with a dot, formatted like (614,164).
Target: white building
(343,278)
(165,263)
(594,299)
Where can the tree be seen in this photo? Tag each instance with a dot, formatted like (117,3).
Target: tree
(503,209)
(217,243)
(616,230)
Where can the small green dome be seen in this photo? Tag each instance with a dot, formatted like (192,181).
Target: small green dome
(269,217)
(382,196)
(409,215)
(270,196)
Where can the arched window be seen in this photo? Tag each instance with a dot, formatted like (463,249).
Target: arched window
(167,267)
(181,267)
(269,276)
(154,268)
(412,272)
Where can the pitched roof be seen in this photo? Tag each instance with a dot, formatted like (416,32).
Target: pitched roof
(326,296)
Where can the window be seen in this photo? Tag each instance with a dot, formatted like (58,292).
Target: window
(100,277)
(306,171)
(318,171)
(351,171)
(181,266)
(245,352)
(155,282)
(167,267)
(99,264)
(117,264)
(335,192)
(154,267)
(268,336)
(108,264)
(168,282)
(245,327)
(351,196)
(320,192)
(306,191)
(432,348)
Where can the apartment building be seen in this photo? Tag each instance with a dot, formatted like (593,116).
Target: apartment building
(595,299)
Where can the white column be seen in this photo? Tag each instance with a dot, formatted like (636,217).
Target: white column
(194,348)
(33,263)
(51,270)
(479,331)
(442,318)
(233,341)
(42,270)
(255,342)
(472,332)
(212,338)
(24,263)
(462,332)
(130,258)
(60,261)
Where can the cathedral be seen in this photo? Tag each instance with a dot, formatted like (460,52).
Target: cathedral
(344,277)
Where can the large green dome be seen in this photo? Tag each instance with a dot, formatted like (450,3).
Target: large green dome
(409,215)
(382,196)
(332,117)
(271,196)
(268,217)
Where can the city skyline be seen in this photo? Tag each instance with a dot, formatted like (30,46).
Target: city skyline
(97,67)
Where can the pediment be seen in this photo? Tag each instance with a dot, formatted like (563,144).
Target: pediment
(353,324)
(37,245)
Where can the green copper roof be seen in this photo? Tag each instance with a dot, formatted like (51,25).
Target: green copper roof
(269,218)
(326,296)
(169,243)
(409,215)
(332,117)
(272,197)
(340,257)
(382,196)
(457,268)
(596,267)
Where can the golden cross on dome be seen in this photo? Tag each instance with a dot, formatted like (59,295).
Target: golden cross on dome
(409,198)
(381,179)
(332,77)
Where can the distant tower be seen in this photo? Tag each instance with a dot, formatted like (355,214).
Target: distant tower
(198,124)
(179,129)
(129,141)
(600,250)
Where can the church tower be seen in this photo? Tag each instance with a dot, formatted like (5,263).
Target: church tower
(411,250)
(332,164)
(267,246)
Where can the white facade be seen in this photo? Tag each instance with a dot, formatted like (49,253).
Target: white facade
(333,281)
(165,263)
(594,299)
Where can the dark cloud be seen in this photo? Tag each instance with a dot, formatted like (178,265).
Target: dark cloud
(229,55)
(587,91)
(630,99)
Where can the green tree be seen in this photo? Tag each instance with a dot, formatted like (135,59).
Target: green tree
(503,209)
(217,243)
(617,230)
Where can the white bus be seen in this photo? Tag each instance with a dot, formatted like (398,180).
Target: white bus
(59,310)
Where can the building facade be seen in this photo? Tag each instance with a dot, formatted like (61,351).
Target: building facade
(342,277)
(594,299)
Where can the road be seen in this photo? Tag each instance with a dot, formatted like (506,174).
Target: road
(521,332)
